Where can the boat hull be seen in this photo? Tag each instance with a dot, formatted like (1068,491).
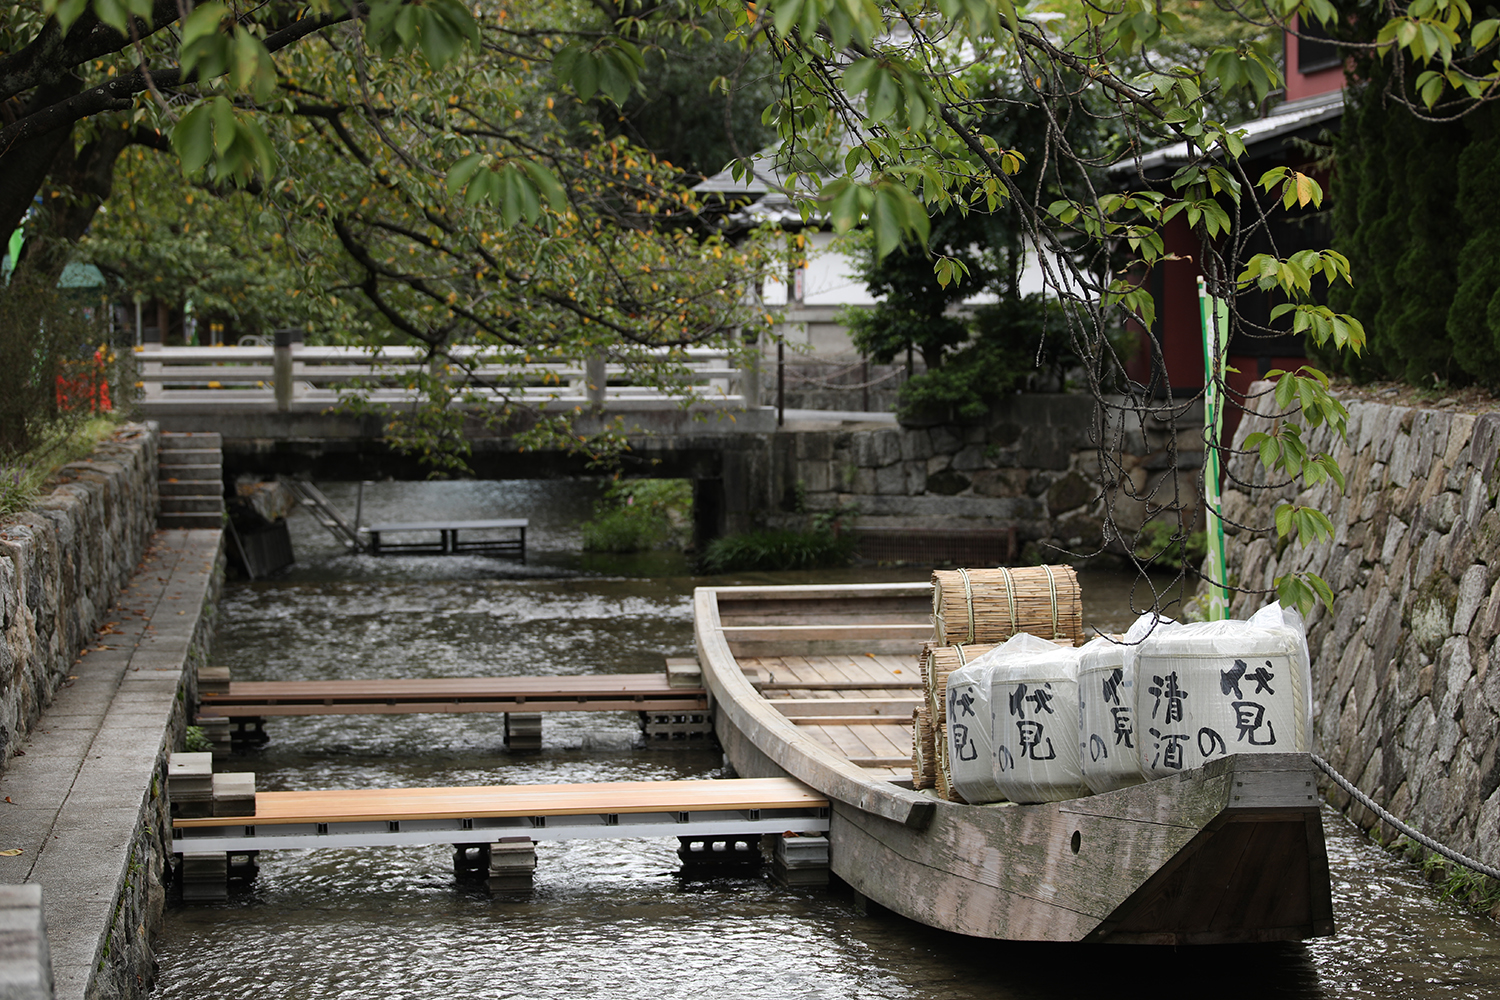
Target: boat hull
(1232,852)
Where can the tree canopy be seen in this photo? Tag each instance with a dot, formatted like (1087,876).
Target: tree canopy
(447,154)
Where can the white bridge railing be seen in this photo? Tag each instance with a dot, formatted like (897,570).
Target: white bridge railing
(295,377)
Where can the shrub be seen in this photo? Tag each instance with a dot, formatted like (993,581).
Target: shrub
(57,368)
(638,515)
(24,476)
(1159,541)
(778,550)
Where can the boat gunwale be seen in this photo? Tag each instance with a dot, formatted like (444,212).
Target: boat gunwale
(780,739)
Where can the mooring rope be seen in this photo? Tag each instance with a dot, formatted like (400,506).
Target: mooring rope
(1420,838)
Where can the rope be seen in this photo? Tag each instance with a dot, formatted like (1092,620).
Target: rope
(1052,592)
(1010,597)
(1420,838)
(969,599)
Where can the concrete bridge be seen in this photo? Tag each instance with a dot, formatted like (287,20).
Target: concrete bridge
(1029,473)
(277,412)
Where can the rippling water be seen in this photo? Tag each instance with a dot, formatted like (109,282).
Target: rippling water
(618,918)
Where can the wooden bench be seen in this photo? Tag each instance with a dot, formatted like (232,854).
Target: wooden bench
(448,541)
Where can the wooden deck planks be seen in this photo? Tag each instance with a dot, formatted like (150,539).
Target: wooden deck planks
(827,698)
(506,801)
(581,692)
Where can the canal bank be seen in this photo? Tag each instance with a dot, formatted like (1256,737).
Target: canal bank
(104,620)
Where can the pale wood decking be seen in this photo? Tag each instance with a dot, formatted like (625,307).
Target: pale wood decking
(869,725)
(401,804)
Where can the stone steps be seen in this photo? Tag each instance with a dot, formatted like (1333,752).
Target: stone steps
(190,479)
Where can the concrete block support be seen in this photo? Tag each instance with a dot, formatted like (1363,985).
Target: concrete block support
(25,965)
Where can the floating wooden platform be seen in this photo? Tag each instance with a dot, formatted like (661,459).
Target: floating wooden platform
(448,542)
(378,817)
(570,693)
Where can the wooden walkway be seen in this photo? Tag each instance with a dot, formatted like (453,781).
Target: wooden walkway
(377,817)
(571,693)
(857,705)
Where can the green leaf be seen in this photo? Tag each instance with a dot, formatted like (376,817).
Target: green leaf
(69,11)
(206,49)
(885,221)
(860,75)
(884,97)
(1283,519)
(192,139)
(547,185)
(786,14)
(462,172)
(224,126)
(112,13)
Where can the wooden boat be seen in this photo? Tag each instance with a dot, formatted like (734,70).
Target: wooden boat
(818,682)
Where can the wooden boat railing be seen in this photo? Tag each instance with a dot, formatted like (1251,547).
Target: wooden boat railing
(790,749)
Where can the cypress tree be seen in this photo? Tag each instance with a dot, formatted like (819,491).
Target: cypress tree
(1368,220)
(1474,317)
(1426,277)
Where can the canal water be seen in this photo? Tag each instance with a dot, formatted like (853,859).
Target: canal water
(620,919)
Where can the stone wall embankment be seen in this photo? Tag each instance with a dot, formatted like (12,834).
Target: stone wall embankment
(63,563)
(1032,463)
(1406,664)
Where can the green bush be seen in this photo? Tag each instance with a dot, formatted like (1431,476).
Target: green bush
(639,515)
(1158,540)
(775,550)
(56,369)
(1010,339)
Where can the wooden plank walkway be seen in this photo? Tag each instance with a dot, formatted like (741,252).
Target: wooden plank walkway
(374,817)
(567,693)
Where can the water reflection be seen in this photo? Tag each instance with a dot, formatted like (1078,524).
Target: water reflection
(618,918)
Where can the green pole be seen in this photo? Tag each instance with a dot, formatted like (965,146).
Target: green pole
(13,254)
(1214,313)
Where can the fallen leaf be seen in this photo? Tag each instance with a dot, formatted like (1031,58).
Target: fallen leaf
(11,853)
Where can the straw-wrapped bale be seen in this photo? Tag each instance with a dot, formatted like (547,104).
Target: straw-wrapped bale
(923,752)
(972,606)
(937,663)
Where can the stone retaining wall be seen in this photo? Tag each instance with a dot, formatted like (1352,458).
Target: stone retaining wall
(62,564)
(1407,703)
(1033,463)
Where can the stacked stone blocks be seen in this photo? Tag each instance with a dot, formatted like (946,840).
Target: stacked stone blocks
(1034,464)
(1407,700)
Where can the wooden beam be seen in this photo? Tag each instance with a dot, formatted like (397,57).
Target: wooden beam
(490,801)
(888,709)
